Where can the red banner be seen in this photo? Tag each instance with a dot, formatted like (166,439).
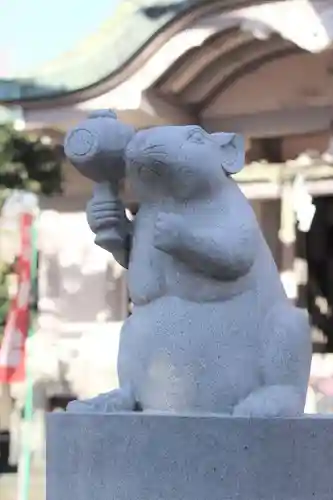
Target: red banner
(12,351)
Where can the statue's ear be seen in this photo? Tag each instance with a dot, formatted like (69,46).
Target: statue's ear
(232,151)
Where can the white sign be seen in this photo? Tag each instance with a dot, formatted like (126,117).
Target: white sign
(302,203)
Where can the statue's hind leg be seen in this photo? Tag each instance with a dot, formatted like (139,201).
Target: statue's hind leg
(117,400)
(285,358)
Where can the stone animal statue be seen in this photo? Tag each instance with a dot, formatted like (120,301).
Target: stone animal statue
(212,330)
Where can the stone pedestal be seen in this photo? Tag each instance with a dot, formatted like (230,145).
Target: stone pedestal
(139,456)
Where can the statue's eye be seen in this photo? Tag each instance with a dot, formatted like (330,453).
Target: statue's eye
(197,136)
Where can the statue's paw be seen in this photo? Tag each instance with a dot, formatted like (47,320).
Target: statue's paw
(110,402)
(247,411)
(271,402)
(104,209)
(167,231)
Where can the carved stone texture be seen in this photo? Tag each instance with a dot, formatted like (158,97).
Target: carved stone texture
(96,148)
(211,328)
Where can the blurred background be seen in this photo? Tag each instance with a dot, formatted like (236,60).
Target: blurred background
(261,68)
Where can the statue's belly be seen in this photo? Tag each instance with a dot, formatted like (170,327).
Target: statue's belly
(184,356)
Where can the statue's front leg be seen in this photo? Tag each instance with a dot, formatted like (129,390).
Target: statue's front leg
(211,250)
(107,219)
(168,232)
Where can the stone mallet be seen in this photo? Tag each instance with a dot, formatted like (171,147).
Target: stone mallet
(96,149)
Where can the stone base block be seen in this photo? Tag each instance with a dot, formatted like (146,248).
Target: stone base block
(138,456)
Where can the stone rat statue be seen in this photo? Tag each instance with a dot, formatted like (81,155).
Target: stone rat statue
(212,330)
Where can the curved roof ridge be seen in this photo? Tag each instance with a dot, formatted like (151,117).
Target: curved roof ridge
(90,44)
(115,51)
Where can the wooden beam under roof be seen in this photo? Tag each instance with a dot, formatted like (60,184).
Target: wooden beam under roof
(262,181)
(279,172)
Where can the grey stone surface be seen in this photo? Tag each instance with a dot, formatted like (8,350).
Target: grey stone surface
(211,328)
(96,147)
(148,457)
